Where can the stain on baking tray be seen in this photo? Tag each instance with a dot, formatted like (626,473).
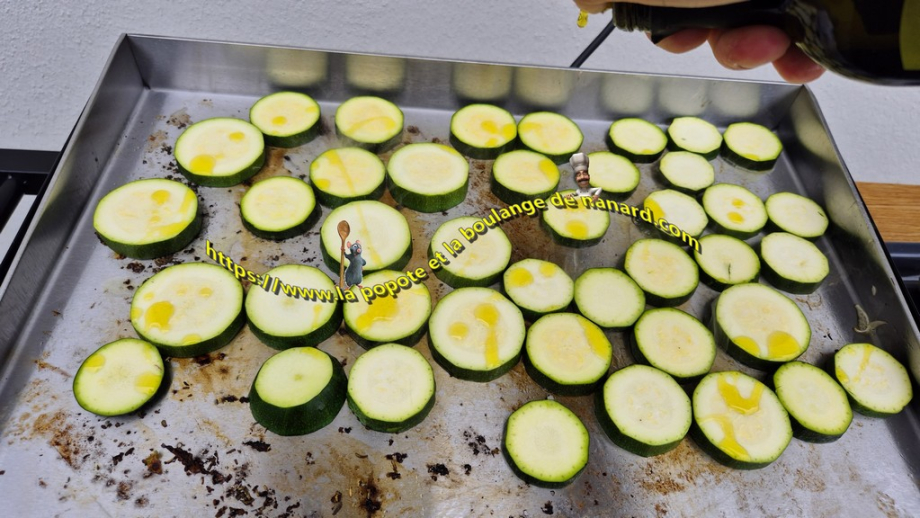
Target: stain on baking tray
(179,119)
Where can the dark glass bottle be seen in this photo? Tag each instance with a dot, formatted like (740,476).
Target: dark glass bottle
(871,40)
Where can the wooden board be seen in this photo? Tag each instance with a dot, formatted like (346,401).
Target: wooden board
(895,208)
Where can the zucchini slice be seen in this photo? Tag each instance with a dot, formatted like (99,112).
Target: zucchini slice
(636,139)
(643,410)
(614,174)
(347,174)
(188,309)
(482,131)
(300,310)
(538,287)
(146,219)
(696,136)
(677,208)
(792,264)
(401,318)
(523,175)
(739,421)
(734,210)
(391,388)
(428,177)
(551,134)
(877,384)
(759,326)
(476,334)
(483,257)
(384,234)
(751,146)
(220,152)
(674,342)
(796,214)
(571,223)
(278,208)
(686,171)
(546,444)
(369,122)
(567,354)
(298,391)
(593,290)
(725,261)
(663,270)
(817,406)
(119,377)
(287,119)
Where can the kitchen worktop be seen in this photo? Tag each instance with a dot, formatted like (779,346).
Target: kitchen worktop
(895,208)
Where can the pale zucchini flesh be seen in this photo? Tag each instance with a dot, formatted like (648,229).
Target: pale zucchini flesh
(817,405)
(278,208)
(220,152)
(401,318)
(674,342)
(725,261)
(369,122)
(796,214)
(347,174)
(119,377)
(877,383)
(677,208)
(481,262)
(735,210)
(792,263)
(287,119)
(482,131)
(592,297)
(384,234)
(663,270)
(538,287)
(551,134)
(572,223)
(636,139)
(614,174)
(428,177)
(546,444)
(751,146)
(696,136)
(523,175)
(687,171)
(567,354)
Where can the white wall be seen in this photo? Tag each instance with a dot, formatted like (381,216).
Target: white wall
(53,52)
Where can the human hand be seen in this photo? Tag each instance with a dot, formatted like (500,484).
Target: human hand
(736,49)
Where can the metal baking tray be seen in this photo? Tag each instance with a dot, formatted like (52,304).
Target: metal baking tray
(197,450)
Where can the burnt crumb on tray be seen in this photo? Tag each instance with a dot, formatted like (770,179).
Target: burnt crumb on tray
(437,470)
(477,444)
(547,508)
(261,446)
(154,465)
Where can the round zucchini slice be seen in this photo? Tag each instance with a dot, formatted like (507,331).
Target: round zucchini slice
(677,208)
(696,136)
(550,134)
(188,309)
(592,297)
(636,139)
(546,444)
(428,177)
(878,385)
(278,208)
(523,175)
(369,122)
(301,312)
(751,146)
(734,210)
(146,219)
(220,152)
(401,318)
(687,171)
(817,406)
(119,377)
(674,342)
(482,131)
(725,261)
(614,174)
(476,334)
(643,410)
(538,287)
(572,223)
(391,388)
(384,234)
(298,391)
(287,119)
(347,174)
(759,326)
(796,214)
(739,421)
(567,354)
(792,264)
(485,254)
(663,270)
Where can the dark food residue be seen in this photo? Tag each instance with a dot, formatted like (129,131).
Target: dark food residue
(258,445)
(547,508)
(438,470)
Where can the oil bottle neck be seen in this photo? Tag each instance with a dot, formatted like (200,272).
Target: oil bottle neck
(661,22)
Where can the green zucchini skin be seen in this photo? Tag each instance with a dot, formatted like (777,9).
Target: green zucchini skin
(469,374)
(716,228)
(478,153)
(456,281)
(332,201)
(674,146)
(721,457)
(333,262)
(787,285)
(800,431)
(408,341)
(378,148)
(568,241)
(562,389)
(207,346)
(641,359)
(736,352)
(633,157)
(311,339)
(224,181)
(512,197)
(160,248)
(308,417)
(294,231)
(295,140)
(529,479)
(622,440)
(389,426)
(427,202)
(856,406)
(745,163)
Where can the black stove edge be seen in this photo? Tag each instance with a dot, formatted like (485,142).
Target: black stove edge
(905,257)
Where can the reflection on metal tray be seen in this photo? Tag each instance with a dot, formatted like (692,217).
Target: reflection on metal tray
(197,451)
